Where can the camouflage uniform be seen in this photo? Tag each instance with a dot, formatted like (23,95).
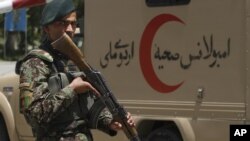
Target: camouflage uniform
(61,115)
(56,114)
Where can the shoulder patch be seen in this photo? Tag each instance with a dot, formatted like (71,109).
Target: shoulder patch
(41,54)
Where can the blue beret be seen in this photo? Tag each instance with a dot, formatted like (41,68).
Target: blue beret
(56,10)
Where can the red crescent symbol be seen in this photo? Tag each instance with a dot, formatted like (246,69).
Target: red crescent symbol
(145,53)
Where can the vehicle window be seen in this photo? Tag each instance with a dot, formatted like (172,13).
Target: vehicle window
(153,3)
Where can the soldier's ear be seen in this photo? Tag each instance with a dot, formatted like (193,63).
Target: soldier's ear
(46,29)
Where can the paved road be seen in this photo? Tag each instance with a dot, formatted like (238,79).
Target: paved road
(7,67)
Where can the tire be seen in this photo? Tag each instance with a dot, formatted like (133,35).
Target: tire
(164,134)
(4,133)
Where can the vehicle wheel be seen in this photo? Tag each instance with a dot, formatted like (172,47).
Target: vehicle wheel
(164,134)
(4,134)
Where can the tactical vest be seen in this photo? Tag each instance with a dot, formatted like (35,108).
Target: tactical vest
(75,118)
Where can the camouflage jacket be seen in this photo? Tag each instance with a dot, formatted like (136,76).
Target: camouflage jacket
(39,105)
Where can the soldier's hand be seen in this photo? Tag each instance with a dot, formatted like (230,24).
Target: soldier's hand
(118,126)
(81,86)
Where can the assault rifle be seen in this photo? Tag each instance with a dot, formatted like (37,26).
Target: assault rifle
(67,47)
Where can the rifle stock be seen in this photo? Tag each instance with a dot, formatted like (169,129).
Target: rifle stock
(67,47)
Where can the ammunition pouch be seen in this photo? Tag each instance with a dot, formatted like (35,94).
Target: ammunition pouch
(60,80)
(91,105)
(57,82)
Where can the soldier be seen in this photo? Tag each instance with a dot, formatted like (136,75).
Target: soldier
(56,108)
